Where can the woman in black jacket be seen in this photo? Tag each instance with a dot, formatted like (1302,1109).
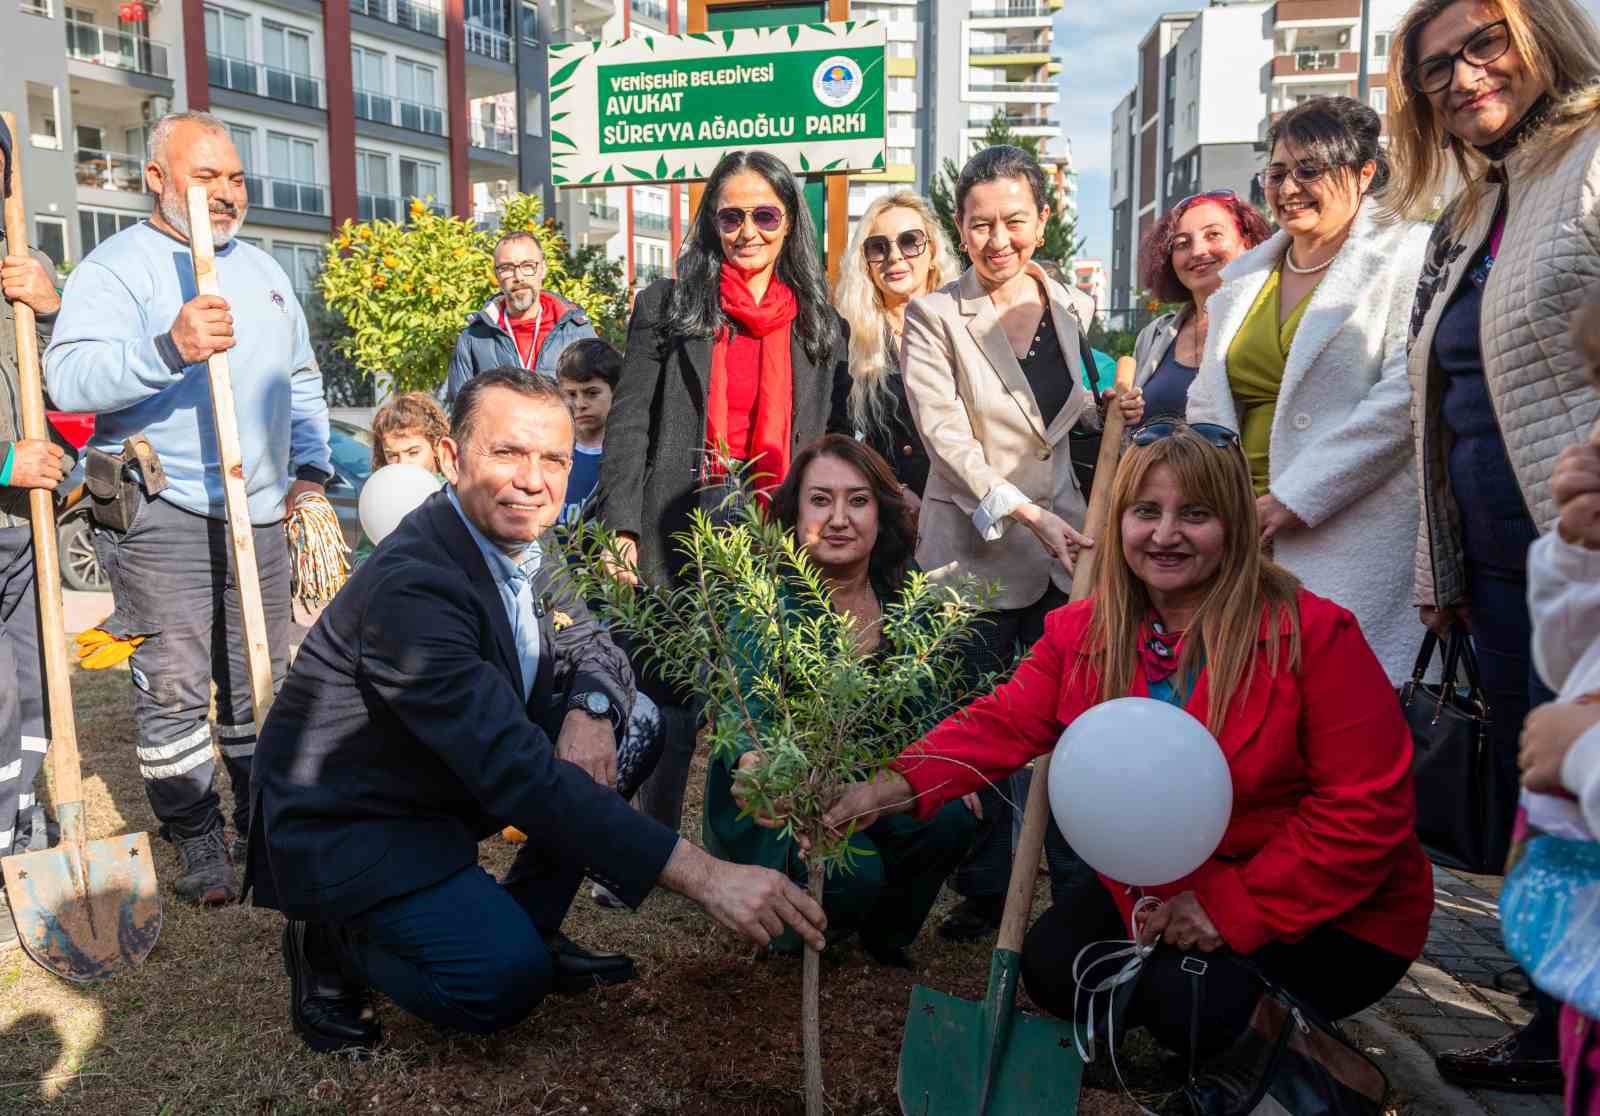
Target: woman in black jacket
(707,366)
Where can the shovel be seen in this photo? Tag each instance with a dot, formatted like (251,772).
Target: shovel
(988,1059)
(86,910)
(241,537)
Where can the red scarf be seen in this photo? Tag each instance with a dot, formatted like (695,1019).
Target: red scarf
(770,322)
(1159,649)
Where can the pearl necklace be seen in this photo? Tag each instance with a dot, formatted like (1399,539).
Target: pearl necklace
(1288,260)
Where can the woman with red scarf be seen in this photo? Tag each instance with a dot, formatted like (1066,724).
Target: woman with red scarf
(742,351)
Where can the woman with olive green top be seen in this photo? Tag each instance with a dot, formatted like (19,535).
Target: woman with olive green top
(1306,358)
(850,515)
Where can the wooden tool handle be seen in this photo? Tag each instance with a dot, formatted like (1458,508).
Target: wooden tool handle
(231,459)
(64,773)
(1036,814)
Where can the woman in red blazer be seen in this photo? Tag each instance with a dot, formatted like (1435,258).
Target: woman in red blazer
(1319,878)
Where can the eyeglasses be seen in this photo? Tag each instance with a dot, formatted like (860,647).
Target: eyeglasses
(1434,75)
(1209,195)
(1149,433)
(767,218)
(912,242)
(528,269)
(1273,177)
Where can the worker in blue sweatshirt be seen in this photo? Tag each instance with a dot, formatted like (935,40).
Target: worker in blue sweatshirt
(130,344)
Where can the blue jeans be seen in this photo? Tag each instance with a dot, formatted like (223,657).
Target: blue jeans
(462,953)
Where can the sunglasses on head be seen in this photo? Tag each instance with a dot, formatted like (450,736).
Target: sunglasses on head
(1209,195)
(912,242)
(767,218)
(1151,432)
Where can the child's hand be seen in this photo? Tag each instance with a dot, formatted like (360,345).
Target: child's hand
(1547,736)
(1576,487)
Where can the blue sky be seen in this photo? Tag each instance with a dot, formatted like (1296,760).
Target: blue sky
(1098,41)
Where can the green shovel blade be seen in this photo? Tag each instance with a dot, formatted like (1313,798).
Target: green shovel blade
(962,1058)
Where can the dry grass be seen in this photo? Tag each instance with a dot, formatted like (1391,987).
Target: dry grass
(202,1027)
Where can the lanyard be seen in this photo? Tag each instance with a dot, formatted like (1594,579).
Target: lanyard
(533,347)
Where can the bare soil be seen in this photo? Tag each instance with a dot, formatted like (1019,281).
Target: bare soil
(709,1028)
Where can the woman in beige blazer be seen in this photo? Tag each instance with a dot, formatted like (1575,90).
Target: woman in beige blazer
(993,371)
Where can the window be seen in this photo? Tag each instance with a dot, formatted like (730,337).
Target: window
(366,72)
(228,51)
(373,200)
(301,264)
(50,237)
(900,49)
(287,52)
(44,122)
(902,85)
(1380,45)
(530,23)
(415,88)
(293,185)
(1378,98)
(419,179)
(900,121)
(901,156)
(95,225)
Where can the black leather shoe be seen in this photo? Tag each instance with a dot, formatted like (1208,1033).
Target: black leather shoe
(1504,1065)
(577,970)
(973,919)
(330,1013)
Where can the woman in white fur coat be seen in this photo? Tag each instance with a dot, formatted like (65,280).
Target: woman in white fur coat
(1306,358)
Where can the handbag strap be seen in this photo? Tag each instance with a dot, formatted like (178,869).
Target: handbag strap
(1430,643)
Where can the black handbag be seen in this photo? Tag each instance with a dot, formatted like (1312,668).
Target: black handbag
(1288,1062)
(1464,814)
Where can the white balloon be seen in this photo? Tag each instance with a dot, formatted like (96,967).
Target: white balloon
(1140,790)
(391,494)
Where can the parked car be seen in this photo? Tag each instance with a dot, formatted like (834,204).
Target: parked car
(351,443)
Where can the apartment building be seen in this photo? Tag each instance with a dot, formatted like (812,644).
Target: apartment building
(1210,83)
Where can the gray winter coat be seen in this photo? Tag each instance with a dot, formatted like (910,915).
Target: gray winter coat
(484,344)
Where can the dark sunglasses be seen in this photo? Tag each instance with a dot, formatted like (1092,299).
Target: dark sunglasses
(912,242)
(1149,433)
(1488,44)
(1209,195)
(767,218)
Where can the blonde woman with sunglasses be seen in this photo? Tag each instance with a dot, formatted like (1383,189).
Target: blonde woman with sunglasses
(899,253)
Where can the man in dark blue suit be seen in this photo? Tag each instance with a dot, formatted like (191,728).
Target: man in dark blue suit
(455,686)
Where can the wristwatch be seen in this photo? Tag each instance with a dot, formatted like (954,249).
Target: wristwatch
(596,703)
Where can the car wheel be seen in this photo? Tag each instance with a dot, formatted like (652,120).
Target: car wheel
(80,565)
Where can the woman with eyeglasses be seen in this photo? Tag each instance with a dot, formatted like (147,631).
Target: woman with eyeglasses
(1181,260)
(993,364)
(1306,358)
(898,253)
(1319,879)
(1504,98)
(742,354)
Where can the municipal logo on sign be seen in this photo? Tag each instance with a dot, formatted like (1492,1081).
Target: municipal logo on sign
(837,81)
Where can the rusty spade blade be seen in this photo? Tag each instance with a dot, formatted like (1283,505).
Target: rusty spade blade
(85,910)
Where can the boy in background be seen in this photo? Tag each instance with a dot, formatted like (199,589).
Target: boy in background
(588,372)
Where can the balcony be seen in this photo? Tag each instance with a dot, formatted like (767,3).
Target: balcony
(602,214)
(418,15)
(489,43)
(244,76)
(286,194)
(653,10)
(1321,63)
(1029,49)
(109,170)
(1017,87)
(380,108)
(1303,11)
(656,223)
(1022,9)
(645,274)
(116,49)
(379,207)
(493,137)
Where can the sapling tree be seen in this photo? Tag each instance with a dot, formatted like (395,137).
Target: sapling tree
(749,628)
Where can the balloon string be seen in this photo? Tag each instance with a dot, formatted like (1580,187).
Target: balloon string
(1126,959)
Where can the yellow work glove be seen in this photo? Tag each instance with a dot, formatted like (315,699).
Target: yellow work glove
(98,649)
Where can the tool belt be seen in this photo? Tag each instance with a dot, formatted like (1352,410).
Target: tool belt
(117,482)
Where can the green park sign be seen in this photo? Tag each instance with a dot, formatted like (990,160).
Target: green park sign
(665,108)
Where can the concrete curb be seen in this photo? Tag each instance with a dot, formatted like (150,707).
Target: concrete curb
(1417,1089)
